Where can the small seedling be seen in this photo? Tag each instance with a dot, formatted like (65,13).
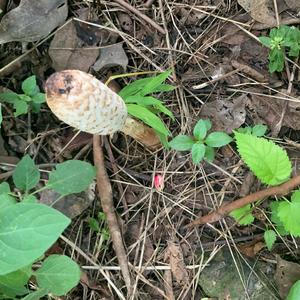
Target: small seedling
(29,228)
(142,106)
(201,144)
(281,38)
(257,130)
(98,225)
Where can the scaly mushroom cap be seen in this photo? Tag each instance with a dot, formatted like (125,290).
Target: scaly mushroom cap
(82,101)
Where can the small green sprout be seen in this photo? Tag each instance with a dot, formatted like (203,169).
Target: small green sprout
(201,144)
(31,99)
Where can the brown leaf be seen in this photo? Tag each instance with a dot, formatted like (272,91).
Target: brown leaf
(250,249)
(111,56)
(287,273)
(125,21)
(32,20)
(175,257)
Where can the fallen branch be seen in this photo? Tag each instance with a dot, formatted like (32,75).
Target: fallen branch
(225,209)
(105,195)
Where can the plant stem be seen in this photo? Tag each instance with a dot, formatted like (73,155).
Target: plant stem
(226,208)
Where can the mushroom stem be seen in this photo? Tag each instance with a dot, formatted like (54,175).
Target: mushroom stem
(141,133)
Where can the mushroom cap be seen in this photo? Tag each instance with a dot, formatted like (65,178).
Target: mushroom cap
(83,102)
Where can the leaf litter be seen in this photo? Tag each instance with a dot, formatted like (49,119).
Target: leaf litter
(211,43)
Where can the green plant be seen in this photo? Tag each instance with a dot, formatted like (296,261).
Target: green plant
(141,105)
(281,38)
(98,225)
(258,130)
(201,144)
(294,293)
(31,99)
(29,228)
(270,163)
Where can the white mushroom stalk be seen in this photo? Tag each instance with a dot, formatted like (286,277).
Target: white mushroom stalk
(85,103)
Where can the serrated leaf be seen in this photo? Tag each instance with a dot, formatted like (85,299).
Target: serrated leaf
(266,41)
(26,232)
(200,129)
(275,218)
(149,118)
(276,58)
(72,176)
(265,159)
(288,213)
(26,174)
(59,274)
(182,143)
(29,86)
(243,215)
(270,238)
(217,139)
(198,152)
(259,130)
(294,293)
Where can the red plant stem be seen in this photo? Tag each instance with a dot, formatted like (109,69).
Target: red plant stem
(226,208)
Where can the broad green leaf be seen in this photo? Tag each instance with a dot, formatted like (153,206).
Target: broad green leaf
(259,130)
(217,139)
(6,200)
(30,199)
(154,82)
(13,284)
(9,97)
(29,86)
(35,107)
(25,98)
(270,238)
(182,143)
(275,218)
(265,159)
(59,274)
(149,118)
(209,153)
(243,215)
(294,293)
(288,213)
(4,188)
(247,130)
(276,58)
(39,98)
(26,174)
(266,41)
(200,129)
(21,108)
(198,152)
(72,176)
(26,232)
(36,295)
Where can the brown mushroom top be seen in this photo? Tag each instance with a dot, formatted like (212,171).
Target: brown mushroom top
(82,101)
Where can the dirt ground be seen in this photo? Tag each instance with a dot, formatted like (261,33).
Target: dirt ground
(220,73)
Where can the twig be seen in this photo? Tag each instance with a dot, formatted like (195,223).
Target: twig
(105,194)
(141,15)
(148,3)
(225,209)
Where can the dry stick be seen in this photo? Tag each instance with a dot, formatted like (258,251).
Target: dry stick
(105,195)
(225,209)
(141,15)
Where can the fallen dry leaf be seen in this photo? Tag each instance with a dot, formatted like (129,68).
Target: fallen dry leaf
(32,20)
(287,273)
(125,21)
(250,249)
(174,255)
(111,56)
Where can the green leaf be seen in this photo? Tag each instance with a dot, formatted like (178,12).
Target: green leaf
(198,152)
(13,284)
(294,293)
(26,232)
(1,118)
(265,159)
(132,88)
(36,295)
(94,224)
(217,139)
(21,108)
(164,88)
(276,60)
(6,200)
(149,118)
(270,238)
(4,188)
(182,143)
(72,176)
(266,41)
(243,215)
(275,218)
(39,98)
(59,274)
(30,199)
(29,86)
(288,213)
(209,153)
(259,130)
(200,129)
(9,97)
(26,174)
